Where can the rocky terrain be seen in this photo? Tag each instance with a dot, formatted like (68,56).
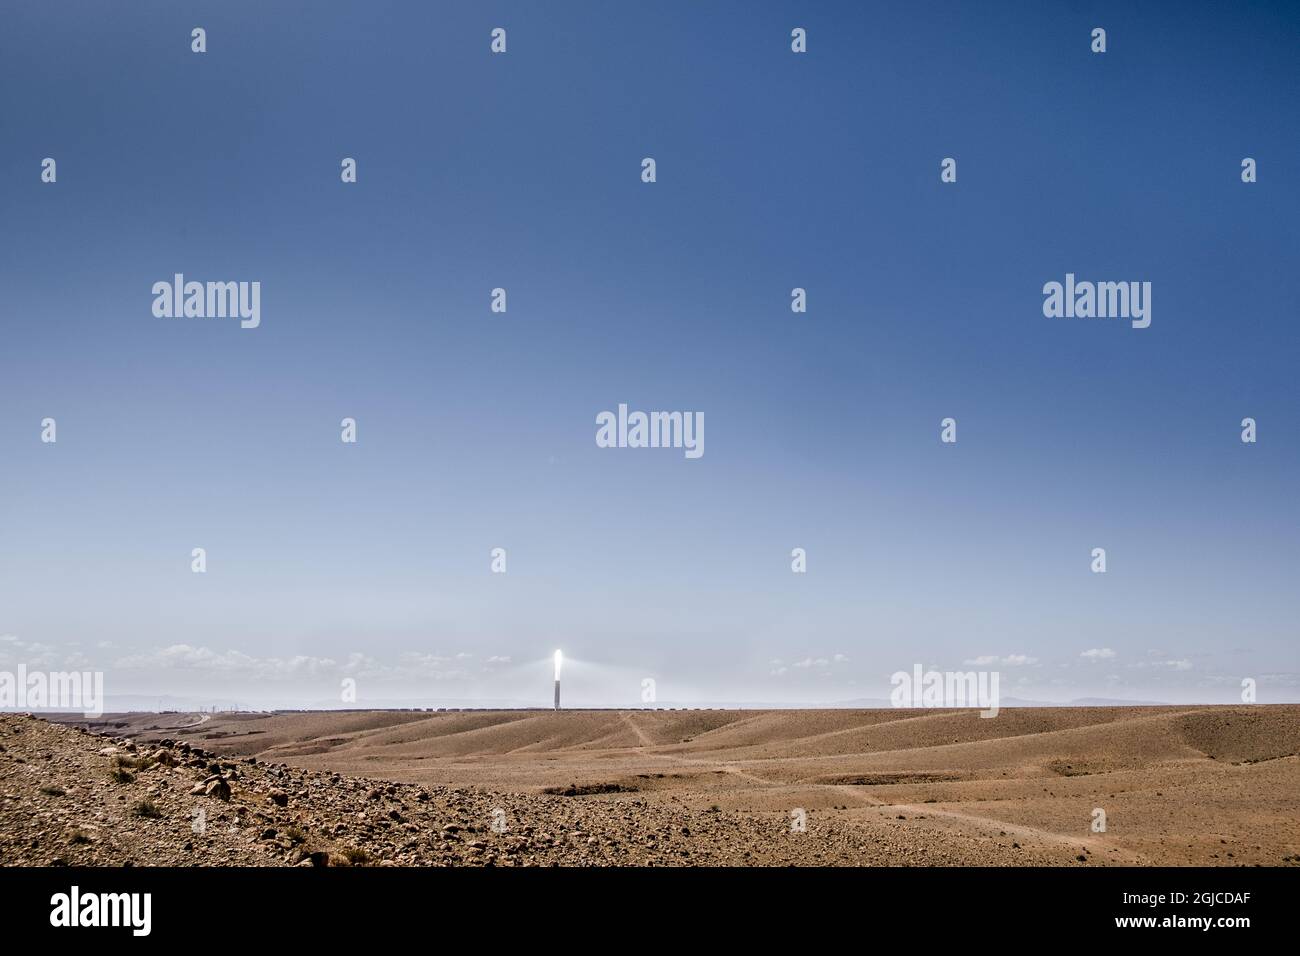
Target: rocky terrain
(76,798)
(518,788)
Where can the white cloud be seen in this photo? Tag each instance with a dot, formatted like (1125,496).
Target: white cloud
(1011,660)
(1178,665)
(818,662)
(238,665)
(429,666)
(1098,654)
(33,654)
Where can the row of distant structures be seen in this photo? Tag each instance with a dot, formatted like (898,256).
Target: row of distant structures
(432,710)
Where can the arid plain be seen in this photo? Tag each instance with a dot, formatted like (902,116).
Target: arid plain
(1177,785)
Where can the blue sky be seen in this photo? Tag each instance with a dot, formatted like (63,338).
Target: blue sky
(476,430)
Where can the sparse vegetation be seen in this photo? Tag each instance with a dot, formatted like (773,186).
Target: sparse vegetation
(588,789)
(121,775)
(356,856)
(146,808)
(133,763)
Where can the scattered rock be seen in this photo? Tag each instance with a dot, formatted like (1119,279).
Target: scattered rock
(218,788)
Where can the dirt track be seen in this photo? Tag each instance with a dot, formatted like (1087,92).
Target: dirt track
(1178,785)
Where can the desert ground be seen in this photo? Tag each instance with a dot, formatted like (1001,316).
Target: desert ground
(1178,785)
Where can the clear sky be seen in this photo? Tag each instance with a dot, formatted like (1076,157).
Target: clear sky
(476,430)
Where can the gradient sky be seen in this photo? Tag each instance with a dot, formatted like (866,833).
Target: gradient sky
(476,430)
